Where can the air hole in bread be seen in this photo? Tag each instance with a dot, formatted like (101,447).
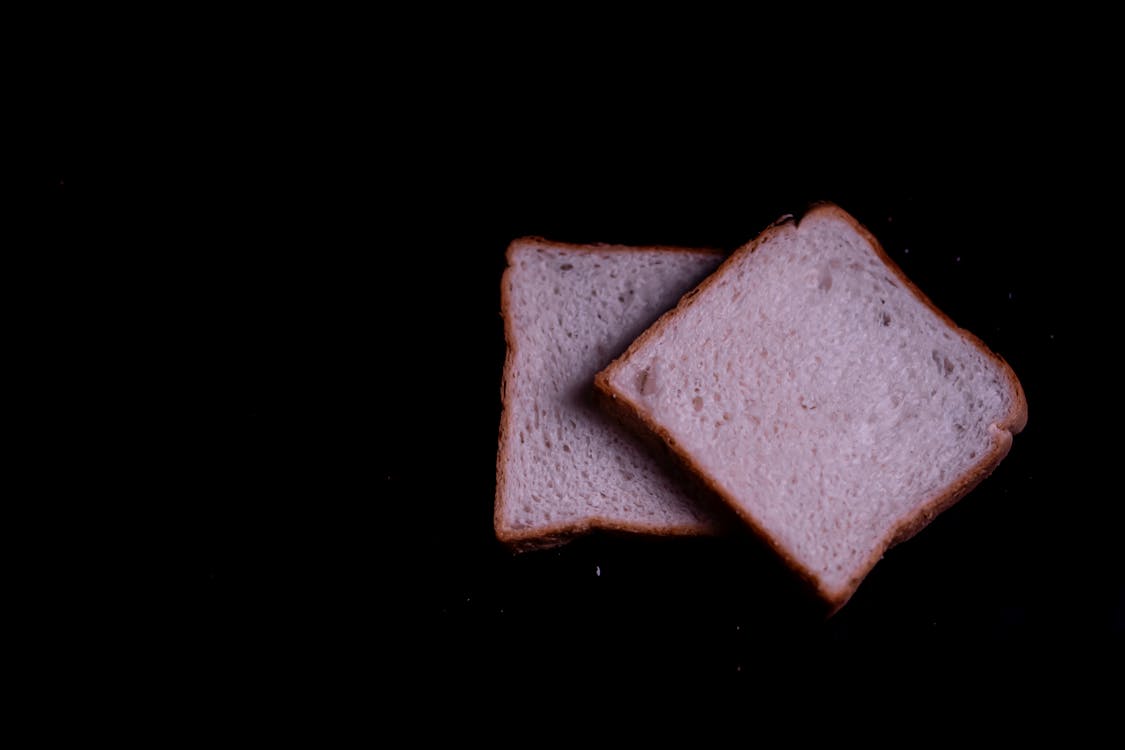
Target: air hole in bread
(648,381)
(566,266)
(944,365)
(642,381)
(697,403)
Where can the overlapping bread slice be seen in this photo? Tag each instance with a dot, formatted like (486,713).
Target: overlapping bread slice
(563,465)
(813,387)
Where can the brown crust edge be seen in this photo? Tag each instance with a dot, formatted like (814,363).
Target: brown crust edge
(557,534)
(909,525)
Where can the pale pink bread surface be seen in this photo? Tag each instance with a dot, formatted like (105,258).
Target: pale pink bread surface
(819,393)
(563,466)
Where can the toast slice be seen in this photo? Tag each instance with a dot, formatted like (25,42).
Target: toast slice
(817,391)
(563,466)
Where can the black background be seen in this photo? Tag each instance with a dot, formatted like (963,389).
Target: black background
(273,297)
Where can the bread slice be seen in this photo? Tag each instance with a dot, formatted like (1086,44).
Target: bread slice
(563,466)
(814,388)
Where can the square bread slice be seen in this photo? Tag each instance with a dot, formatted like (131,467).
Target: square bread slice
(817,391)
(563,466)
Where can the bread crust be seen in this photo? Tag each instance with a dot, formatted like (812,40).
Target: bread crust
(910,524)
(557,534)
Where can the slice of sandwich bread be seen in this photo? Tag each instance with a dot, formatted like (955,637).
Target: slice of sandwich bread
(819,393)
(563,465)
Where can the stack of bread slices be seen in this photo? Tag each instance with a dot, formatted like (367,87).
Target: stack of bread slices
(802,386)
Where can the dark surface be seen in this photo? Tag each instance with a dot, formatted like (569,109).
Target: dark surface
(295,353)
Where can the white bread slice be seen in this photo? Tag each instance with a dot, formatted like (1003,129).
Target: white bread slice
(563,466)
(816,390)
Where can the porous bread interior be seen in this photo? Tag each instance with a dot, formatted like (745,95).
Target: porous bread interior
(564,463)
(819,395)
